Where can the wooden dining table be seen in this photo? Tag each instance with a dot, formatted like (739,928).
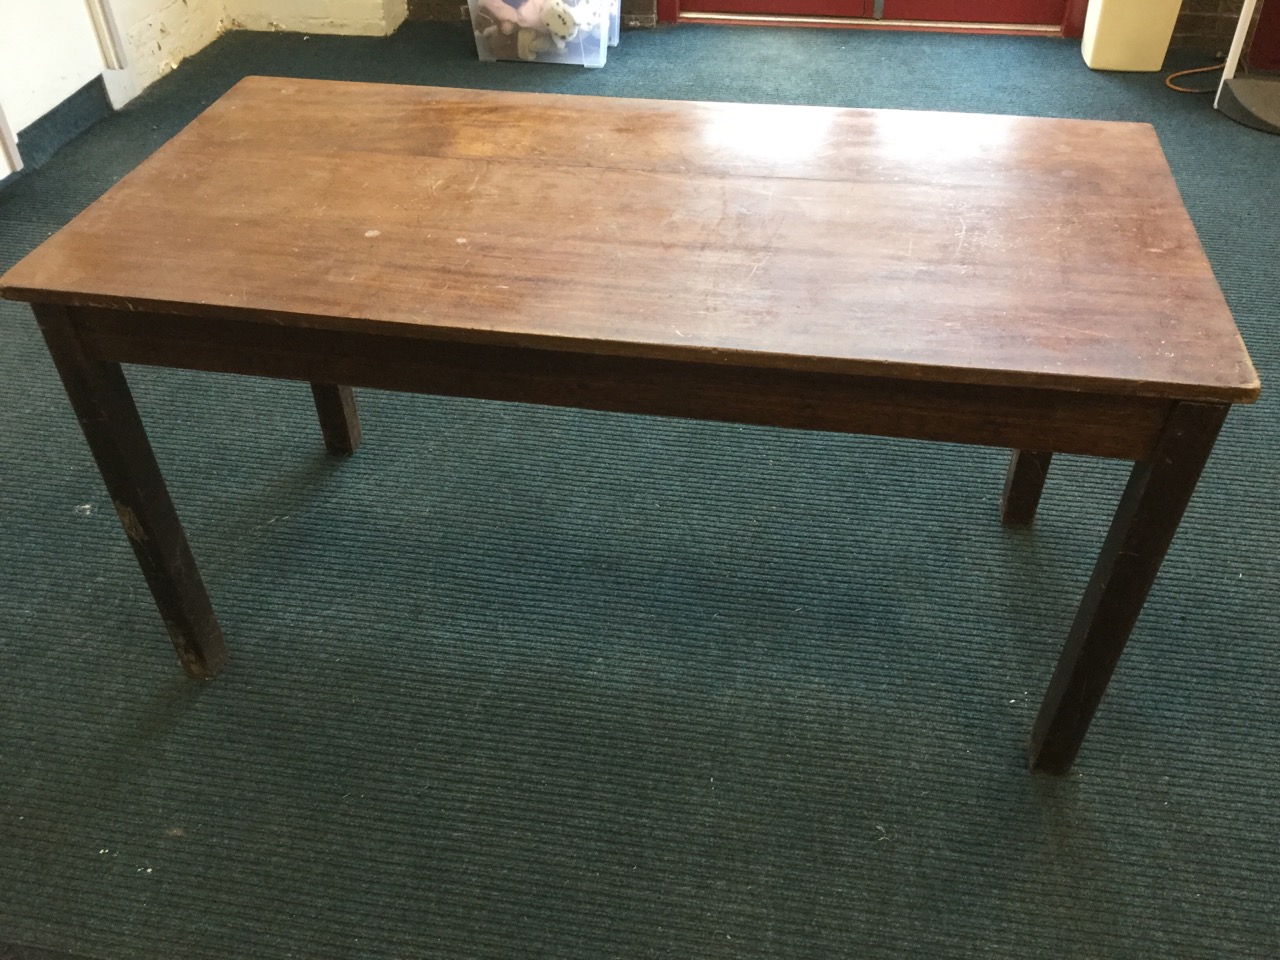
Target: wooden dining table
(1028,283)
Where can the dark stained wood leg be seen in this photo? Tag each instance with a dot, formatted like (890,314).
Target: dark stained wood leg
(104,406)
(339,420)
(1022,487)
(1145,522)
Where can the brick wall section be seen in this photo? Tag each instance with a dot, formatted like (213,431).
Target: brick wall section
(1207,24)
(640,13)
(436,9)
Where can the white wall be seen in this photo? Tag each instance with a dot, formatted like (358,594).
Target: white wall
(394,13)
(371,17)
(158,35)
(48,51)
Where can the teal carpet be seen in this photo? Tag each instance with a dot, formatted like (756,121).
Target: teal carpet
(517,682)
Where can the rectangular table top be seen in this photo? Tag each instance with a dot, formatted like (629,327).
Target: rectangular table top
(991,250)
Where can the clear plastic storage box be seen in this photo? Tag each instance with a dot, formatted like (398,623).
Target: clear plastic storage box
(547,31)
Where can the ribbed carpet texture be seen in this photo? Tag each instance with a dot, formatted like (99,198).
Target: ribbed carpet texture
(517,682)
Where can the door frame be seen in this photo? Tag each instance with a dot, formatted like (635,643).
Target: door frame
(1072,21)
(9,144)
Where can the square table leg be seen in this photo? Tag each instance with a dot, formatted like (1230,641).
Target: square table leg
(104,406)
(1022,487)
(339,421)
(1145,522)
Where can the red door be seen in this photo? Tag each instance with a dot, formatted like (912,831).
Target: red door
(1264,49)
(782,8)
(978,11)
(1020,12)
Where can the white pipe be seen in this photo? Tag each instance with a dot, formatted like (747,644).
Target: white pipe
(9,144)
(1237,47)
(104,25)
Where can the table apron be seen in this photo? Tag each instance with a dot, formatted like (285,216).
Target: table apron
(1125,427)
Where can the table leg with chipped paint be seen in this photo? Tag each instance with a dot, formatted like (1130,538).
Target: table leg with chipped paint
(100,396)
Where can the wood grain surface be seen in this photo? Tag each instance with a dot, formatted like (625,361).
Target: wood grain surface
(956,248)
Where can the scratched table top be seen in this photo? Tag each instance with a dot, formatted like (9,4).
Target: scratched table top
(1007,251)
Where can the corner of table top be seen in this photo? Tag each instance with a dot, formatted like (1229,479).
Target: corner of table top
(11,291)
(1250,391)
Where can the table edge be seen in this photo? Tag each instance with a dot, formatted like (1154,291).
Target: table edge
(1242,393)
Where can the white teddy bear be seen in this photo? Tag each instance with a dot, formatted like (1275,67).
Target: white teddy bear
(541,25)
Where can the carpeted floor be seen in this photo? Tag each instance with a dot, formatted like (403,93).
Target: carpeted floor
(517,682)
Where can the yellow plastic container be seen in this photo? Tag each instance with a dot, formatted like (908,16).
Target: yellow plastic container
(1128,34)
